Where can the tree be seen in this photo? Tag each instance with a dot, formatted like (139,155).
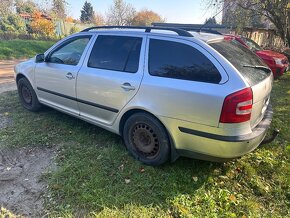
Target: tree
(69,19)
(146,18)
(99,20)
(87,13)
(274,10)
(41,25)
(120,13)
(59,9)
(6,7)
(25,6)
(12,23)
(210,20)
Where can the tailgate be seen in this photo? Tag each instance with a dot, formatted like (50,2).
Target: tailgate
(261,98)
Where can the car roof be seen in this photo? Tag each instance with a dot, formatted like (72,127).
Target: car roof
(206,37)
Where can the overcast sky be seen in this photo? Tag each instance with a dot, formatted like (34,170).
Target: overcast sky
(175,11)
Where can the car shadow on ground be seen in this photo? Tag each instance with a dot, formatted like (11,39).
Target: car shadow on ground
(94,169)
(99,173)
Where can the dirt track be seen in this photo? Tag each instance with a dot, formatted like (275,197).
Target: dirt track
(21,188)
(7,82)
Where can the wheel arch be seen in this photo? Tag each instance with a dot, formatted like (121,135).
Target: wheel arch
(173,153)
(22,75)
(19,76)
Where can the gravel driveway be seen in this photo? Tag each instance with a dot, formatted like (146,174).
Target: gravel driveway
(21,187)
(7,82)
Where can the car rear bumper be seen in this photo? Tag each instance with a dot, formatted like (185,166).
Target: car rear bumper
(218,148)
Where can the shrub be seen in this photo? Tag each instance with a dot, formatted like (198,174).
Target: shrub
(13,35)
(74,29)
(42,27)
(13,23)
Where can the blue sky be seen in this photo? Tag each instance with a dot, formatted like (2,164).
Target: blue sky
(181,11)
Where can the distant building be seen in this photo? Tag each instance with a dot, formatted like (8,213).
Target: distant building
(28,17)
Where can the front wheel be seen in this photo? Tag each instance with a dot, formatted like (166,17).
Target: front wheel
(27,95)
(146,139)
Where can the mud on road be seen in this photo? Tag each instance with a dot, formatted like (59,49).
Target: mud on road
(21,169)
(7,82)
(21,188)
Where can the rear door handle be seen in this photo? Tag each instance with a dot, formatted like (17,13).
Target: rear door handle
(70,76)
(127,87)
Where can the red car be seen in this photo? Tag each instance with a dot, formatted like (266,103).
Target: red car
(277,62)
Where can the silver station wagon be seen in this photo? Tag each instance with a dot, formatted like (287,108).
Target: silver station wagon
(168,92)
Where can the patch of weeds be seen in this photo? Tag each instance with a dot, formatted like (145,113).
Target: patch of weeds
(97,178)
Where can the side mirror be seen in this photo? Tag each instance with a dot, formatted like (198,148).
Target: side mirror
(39,58)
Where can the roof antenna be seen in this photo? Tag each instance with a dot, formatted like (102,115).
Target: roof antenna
(223,8)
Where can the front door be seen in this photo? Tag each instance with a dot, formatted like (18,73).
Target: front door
(55,78)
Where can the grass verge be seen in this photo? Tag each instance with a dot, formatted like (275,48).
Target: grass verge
(97,178)
(17,48)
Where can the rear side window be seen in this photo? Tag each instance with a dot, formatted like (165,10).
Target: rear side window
(243,59)
(119,53)
(180,61)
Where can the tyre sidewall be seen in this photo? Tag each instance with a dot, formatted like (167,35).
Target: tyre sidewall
(164,144)
(35,105)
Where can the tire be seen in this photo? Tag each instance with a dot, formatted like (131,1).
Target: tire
(27,95)
(146,139)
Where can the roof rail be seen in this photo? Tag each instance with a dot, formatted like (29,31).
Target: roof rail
(192,27)
(202,30)
(179,31)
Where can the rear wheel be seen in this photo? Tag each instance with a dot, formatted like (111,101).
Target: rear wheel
(146,139)
(27,95)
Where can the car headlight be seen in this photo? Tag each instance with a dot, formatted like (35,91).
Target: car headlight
(278,61)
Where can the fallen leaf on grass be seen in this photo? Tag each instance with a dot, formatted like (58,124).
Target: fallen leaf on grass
(56,186)
(194,178)
(6,113)
(224,177)
(238,169)
(127,181)
(232,198)
(142,170)
(121,167)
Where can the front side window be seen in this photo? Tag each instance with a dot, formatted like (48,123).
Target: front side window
(119,53)
(70,52)
(180,61)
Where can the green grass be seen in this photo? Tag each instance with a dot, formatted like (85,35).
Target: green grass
(96,176)
(17,48)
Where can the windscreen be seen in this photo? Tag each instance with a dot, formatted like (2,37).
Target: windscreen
(244,60)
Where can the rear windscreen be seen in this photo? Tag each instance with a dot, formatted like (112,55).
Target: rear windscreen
(241,58)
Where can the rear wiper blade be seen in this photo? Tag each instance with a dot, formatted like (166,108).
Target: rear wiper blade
(268,70)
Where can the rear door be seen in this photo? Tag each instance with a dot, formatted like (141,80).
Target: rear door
(182,81)
(254,71)
(110,77)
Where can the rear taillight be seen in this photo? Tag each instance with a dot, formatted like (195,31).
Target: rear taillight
(237,107)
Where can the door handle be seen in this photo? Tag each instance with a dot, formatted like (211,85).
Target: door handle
(70,76)
(127,87)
